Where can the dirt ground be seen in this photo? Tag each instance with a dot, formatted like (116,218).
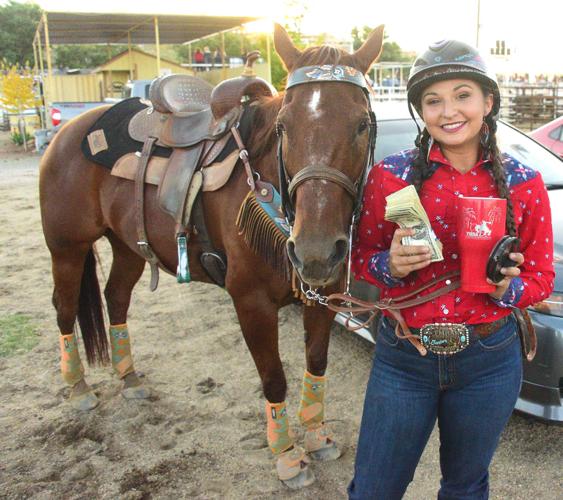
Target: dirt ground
(203,433)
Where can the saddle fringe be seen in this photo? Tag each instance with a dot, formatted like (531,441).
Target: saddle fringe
(263,236)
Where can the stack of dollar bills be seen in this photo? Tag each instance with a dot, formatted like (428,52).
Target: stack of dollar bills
(404,208)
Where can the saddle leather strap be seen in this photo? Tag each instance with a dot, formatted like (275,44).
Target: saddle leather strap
(325,173)
(142,240)
(243,155)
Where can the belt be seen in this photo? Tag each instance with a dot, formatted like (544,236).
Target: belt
(449,338)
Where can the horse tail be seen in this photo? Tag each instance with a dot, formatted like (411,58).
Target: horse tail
(90,314)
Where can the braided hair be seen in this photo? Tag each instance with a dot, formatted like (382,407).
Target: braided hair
(422,171)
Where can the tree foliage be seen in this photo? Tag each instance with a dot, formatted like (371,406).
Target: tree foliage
(85,56)
(391,52)
(18,22)
(17,92)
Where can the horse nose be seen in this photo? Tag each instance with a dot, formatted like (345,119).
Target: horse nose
(339,251)
(316,264)
(297,264)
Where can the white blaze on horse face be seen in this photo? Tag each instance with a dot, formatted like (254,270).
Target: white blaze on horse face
(314,104)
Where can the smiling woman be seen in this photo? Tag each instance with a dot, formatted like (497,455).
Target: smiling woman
(453,355)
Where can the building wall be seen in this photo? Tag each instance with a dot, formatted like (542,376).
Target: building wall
(75,88)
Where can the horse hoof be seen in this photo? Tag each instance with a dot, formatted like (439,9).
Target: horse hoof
(293,468)
(320,444)
(331,452)
(84,402)
(304,478)
(138,392)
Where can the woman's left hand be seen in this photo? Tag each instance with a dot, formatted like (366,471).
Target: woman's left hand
(509,273)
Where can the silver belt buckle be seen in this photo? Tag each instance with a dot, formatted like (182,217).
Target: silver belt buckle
(444,338)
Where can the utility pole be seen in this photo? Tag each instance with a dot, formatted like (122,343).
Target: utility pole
(478,23)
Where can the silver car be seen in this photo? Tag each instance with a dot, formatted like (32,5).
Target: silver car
(542,389)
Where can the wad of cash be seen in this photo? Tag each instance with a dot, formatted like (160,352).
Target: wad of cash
(404,208)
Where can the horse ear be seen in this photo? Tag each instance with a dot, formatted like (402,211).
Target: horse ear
(370,50)
(284,47)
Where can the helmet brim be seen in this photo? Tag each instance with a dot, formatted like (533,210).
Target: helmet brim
(439,73)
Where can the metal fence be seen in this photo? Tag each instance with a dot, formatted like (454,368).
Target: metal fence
(527,106)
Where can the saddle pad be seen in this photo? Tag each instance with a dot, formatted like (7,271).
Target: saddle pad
(215,176)
(108,139)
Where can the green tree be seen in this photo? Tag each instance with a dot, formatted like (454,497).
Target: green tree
(85,56)
(391,51)
(18,22)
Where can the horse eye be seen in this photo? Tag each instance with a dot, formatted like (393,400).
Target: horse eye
(363,126)
(279,128)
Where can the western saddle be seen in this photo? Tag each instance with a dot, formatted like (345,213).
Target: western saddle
(196,120)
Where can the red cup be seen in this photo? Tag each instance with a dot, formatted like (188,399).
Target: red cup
(480,224)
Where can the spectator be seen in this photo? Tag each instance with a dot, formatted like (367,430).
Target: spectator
(207,57)
(198,59)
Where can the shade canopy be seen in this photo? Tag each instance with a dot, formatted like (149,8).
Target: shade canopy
(78,27)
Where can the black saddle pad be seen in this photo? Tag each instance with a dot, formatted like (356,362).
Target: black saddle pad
(114,123)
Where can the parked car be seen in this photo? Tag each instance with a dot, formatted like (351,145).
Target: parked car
(551,135)
(542,389)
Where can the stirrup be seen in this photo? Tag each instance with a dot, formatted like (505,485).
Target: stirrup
(183,270)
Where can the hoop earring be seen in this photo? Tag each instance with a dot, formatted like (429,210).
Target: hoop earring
(485,135)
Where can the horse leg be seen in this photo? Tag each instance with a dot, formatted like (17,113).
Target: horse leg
(318,439)
(68,267)
(258,317)
(126,269)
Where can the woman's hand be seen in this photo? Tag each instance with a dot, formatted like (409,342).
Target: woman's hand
(509,273)
(404,259)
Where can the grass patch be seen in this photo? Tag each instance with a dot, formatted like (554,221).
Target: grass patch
(18,335)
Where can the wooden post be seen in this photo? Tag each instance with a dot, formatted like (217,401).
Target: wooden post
(157,38)
(41,76)
(37,74)
(35,66)
(50,92)
(109,88)
(269,56)
(190,57)
(224,69)
(130,55)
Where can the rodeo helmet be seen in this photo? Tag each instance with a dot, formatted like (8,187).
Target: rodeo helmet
(449,59)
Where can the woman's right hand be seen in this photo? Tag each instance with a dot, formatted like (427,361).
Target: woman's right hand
(404,259)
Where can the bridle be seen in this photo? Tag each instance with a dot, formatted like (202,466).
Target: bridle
(288,186)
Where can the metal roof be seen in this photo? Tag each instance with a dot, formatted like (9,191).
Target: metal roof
(78,27)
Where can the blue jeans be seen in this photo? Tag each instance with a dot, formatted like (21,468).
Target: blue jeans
(472,394)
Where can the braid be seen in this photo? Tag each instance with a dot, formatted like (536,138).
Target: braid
(421,170)
(499,175)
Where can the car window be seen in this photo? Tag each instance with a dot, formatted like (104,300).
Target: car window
(556,133)
(395,135)
(529,152)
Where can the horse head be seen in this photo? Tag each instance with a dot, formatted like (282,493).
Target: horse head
(326,136)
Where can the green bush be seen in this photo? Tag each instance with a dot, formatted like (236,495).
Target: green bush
(17,137)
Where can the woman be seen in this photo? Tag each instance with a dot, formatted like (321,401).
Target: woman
(471,393)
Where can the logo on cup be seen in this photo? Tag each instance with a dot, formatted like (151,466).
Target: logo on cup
(480,230)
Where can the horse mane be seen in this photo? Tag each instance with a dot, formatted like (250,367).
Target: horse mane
(264,138)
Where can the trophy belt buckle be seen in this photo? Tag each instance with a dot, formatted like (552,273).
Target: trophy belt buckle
(444,338)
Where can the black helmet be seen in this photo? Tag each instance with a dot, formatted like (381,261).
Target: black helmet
(449,59)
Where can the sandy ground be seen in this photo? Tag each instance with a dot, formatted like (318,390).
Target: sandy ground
(203,433)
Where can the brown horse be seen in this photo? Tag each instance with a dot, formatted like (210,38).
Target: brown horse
(324,125)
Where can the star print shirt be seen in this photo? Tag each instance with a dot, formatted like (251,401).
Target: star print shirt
(370,257)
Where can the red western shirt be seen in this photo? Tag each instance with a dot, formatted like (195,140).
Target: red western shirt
(370,257)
